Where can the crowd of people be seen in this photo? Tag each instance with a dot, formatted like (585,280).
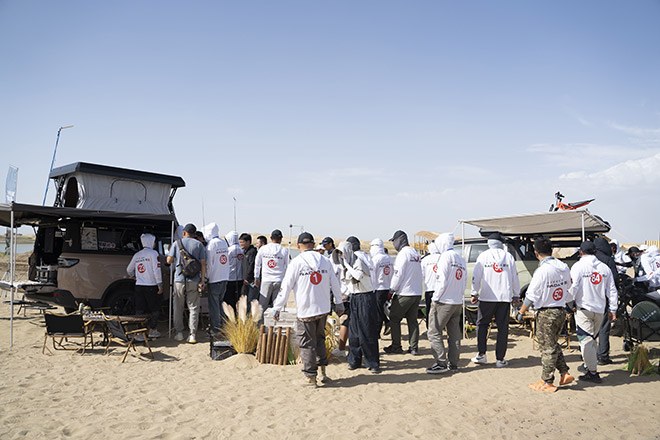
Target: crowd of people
(372,294)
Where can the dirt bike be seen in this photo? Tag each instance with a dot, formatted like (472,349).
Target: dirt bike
(559,204)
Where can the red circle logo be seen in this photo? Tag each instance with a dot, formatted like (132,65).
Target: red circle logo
(315,278)
(386,270)
(141,268)
(435,268)
(497,268)
(558,294)
(459,274)
(272,264)
(223,259)
(596,278)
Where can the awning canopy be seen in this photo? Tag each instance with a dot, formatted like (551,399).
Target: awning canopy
(559,223)
(34,215)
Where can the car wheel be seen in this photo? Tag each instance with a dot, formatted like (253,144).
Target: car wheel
(121,302)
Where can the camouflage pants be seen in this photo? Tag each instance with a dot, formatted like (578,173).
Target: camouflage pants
(549,323)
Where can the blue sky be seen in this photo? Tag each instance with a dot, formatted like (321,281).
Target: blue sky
(345,117)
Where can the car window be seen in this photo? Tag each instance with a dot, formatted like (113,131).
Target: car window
(475,251)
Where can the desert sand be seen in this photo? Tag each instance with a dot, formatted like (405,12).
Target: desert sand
(182,394)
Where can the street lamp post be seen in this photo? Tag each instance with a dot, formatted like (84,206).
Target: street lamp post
(235,229)
(52,162)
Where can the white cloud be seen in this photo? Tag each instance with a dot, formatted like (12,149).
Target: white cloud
(625,174)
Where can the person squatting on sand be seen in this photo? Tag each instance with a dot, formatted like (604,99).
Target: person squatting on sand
(185,289)
(145,268)
(407,283)
(381,277)
(312,279)
(446,308)
(593,286)
(217,270)
(548,292)
(494,284)
(363,327)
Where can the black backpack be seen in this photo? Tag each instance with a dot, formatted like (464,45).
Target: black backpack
(190,266)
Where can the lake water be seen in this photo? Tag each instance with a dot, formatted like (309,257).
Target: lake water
(21,248)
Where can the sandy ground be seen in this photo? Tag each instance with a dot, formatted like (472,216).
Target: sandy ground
(183,394)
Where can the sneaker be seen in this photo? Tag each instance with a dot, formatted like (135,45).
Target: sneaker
(309,382)
(139,337)
(192,339)
(391,350)
(154,333)
(480,359)
(413,351)
(179,337)
(353,367)
(501,364)
(591,377)
(582,369)
(605,361)
(374,370)
(437,369)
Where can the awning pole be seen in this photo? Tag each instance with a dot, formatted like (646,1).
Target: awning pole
(583,236)
(463,252)
(12,268)
(170,305)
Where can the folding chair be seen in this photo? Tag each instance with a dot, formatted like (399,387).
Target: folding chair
(65,327)
(126,338)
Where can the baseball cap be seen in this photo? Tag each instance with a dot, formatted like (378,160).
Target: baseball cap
(398,234)
(327,240)
(190,228)
(305,238)
(633,250)
(588,247)
(276,233)
(496,236)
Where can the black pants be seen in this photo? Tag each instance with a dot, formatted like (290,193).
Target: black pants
(486,312)
(604,334)
(363,330)
(233,293)
(427,299)
(147,301)
(381,299)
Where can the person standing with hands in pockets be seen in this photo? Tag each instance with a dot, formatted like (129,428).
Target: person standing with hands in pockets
(145,267)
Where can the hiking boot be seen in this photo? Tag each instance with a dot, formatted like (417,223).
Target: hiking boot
(480,359)
(565,379)
(179,336)
(591,377)
(437,369)
(501,364)
(391,350)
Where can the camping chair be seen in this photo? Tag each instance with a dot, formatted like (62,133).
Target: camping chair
(65,327)
(644,323)
(126,338)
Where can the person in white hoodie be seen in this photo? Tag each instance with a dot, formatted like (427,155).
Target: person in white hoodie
(235,282)
(269,268)
(494,285)
(407,285)
(217,270)
(446,308)
(312,278)
(622,261)
(548,292)
(382,278)
(145,267)
(430,272)
(363,327)
(651,264)
(593,282)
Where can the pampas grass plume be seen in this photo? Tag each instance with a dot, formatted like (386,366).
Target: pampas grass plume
(229,311)
(255,310)
(242,308)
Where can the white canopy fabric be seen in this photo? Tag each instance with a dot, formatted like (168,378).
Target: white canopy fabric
(564,223)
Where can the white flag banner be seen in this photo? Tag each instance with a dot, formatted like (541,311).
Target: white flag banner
(11,184)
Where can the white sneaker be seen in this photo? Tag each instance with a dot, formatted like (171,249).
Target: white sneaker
(502,363)
(192,339)
(480,359)
(139,337)
(153,333)
(179,337)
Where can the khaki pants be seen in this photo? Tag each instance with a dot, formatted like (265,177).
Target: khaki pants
(443,316)
(186,293)
(588,324)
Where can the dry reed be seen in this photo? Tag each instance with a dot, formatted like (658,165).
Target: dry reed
(240,328)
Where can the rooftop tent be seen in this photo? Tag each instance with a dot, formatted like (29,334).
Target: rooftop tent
(98,187)
(559,223)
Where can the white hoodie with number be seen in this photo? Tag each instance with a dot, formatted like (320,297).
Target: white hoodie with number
(408,279)
(382,266)
(430,267)
(271,262)
(592,282)
(144,265)
(312,278)
(651,263)
(235,257)
(217,254)
(495,277)
(451,277)
(550,284)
